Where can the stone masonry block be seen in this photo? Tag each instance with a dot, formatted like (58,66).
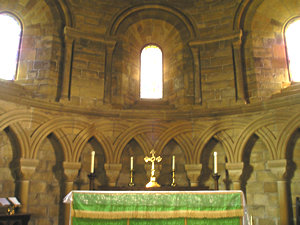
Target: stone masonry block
(261,199)
(263,176)
(255,187)
(270,187)
(267,221)
(38,211)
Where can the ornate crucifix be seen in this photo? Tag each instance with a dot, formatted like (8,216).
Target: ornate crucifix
(152,159)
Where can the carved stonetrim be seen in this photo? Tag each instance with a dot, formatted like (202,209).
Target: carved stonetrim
(71,170)
(278,168)
(112,172)
(28,167)
(193,172)
(235,170)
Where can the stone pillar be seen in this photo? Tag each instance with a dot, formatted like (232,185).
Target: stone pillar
(27,169)
(67,72)
(278,168)
(235,171)
(71,172)
(197,75)
(193,172)
(112,172)
(108,71)
(238,68)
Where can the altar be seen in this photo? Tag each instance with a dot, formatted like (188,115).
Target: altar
(157,207)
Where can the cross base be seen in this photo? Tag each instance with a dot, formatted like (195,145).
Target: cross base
(152,183)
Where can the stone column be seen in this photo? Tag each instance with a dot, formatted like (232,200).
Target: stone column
(193,172)
(71,172)
(197,75)
(112,172)
(235,171)
(108,71)
(238,67)
(278,168)
(67,72)
(27,169)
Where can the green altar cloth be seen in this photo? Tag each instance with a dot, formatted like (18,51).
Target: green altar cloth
(156,207)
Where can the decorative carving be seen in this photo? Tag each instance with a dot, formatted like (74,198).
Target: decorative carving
(112,172)
(193,172)
(71,170)
(278,168)
(235,171)
(28,167)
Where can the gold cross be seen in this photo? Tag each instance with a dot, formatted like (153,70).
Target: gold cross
(152,159)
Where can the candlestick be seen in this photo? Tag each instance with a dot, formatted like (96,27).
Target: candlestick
(173,162)
(92,161)
(216,177)
(173,184)
(131,183)
(131,163)
(92,177)
(215,163)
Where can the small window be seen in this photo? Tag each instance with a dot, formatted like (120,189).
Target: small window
(292,39)
(9,45)
(151,86)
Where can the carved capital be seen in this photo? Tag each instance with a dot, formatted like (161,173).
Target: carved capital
(235,170)
(278,168)
(193,172)
(28,167)
(112,172)
(71,170)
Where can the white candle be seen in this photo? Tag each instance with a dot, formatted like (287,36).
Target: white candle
(173,162)
(215,163)
(131,163)
(92,161)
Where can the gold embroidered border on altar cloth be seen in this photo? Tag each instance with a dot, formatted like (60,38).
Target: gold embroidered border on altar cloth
(157,214)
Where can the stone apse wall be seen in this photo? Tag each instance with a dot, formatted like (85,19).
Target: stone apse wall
(226,89)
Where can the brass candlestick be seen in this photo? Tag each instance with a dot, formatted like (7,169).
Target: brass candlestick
(92,177)
(173,184)
(131,184)
(152,159)
(216,177)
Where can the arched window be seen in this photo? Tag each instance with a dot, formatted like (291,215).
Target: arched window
(10,39)
(292,41)
(151,83)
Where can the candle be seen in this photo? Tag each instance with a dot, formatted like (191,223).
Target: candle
(173,162)
(131,163)
(215,163)
(92,161)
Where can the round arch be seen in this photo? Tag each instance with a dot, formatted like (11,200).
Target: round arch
(284,137)
(52,126)
(258,127)
(22,139)
(121,18)
(177,133)
(88,133)
(132,132)
(217,130)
